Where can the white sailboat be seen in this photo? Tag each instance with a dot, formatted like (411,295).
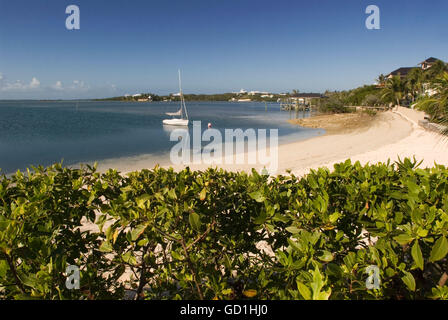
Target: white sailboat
(178,121)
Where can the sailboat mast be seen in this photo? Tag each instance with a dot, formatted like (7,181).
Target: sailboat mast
(180,84)
(182,100)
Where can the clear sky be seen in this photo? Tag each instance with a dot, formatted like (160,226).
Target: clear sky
(221,45)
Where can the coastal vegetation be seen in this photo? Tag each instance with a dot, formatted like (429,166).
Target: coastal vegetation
(161,234)
(417,85)
(342,101)
(230,96)
(129,98)
(196,97)
(436,105)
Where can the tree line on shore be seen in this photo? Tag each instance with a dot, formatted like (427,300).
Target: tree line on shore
(427,90)
(197,97)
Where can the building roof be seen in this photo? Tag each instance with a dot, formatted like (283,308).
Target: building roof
(401,71)
(429,60)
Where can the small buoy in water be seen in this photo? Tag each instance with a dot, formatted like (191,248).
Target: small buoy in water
(209,125)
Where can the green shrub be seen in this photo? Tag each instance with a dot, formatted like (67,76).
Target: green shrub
(369,112)
(226,235)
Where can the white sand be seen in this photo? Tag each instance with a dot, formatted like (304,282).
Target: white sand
(394,134)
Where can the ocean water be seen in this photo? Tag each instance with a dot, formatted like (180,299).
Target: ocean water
(42,133)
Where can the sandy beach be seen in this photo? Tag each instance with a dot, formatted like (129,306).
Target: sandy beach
(393,135)
(389,135)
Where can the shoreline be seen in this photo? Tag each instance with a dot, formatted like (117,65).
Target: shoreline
(406,139)
(389,135)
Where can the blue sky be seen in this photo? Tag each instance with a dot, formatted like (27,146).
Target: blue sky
(137,46)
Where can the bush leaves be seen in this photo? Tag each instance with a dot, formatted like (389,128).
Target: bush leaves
(417,255)
(439,250)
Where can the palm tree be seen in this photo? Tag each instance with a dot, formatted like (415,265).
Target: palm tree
(436,105)
(414,82)
(436,70)
(381,80)
(394,90)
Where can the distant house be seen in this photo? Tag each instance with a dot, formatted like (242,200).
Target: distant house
(424,65)
(241,92)
(428,63)
(401,72)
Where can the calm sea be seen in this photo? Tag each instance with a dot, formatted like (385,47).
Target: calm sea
(42,133)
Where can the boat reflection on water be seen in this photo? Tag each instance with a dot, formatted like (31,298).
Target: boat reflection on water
(168,129)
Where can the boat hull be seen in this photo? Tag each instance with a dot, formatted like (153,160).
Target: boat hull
(176,122)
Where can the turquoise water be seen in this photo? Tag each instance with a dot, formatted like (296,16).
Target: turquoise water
(42,133)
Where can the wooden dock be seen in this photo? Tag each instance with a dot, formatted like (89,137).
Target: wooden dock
(289,105)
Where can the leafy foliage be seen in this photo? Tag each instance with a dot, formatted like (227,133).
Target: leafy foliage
(395,90)
(408,89)
(436,105)
(340,101)
(226,235)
